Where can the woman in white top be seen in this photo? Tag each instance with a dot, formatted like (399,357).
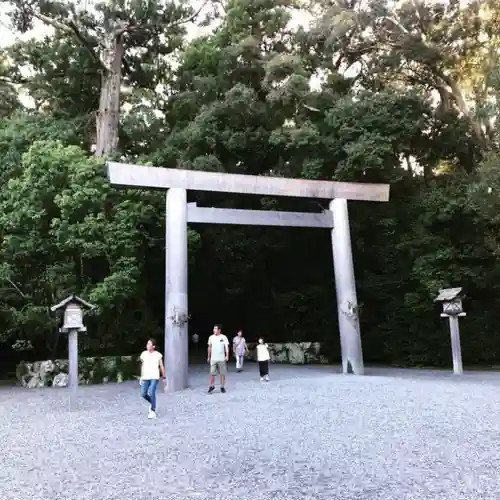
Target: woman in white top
(263,358)
(152,365)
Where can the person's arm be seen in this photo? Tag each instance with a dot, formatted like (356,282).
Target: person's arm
(141,358)
(209,350)
(162,369)
(226,344)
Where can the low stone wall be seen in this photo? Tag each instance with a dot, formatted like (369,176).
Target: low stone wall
(294,353)
(120,368)
(91,371)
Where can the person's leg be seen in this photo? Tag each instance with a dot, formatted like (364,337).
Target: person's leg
(152,394)
(266,370)
(242,359)
(145,390)
(213,373)
(238,366)
(263,369)
(222,372)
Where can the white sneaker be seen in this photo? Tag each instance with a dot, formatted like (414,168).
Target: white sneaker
(262,379)
(151,414)
(267,378)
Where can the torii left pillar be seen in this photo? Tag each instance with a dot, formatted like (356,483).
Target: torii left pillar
(176,297)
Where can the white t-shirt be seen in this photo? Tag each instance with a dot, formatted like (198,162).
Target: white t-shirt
(263,352)
(150,365)
(219,345)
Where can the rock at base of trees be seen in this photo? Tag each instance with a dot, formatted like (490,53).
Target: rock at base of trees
(54,373)
(294,353)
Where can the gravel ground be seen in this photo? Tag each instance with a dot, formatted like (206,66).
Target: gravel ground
(308,434)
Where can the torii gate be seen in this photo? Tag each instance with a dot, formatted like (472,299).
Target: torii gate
(180,213)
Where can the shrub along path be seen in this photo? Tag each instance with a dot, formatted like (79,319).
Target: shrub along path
(308,434)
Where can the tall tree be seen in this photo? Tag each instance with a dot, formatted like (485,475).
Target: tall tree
(112,33)
(441,46)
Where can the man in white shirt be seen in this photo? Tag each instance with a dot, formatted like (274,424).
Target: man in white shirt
(217,357)
(152,365)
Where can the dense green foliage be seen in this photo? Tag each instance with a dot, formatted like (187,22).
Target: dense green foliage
(405,95)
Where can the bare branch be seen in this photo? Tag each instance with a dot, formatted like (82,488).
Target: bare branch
(70,29)
(18,290)
(86,44)
(126,66)
(459,98)
(221,5)
(51,22)
(338,62)
(397,24)
(417,7)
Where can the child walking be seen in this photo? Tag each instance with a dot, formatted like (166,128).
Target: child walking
(152,365)
(263,358)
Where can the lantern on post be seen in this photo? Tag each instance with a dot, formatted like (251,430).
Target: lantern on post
(451,299)
(73,307)
(196,341)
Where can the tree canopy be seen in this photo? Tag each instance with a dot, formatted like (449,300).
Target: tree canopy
(376,91)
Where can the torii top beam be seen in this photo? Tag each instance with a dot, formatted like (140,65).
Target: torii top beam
(124,174)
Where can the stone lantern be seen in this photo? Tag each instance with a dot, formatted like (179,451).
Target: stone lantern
(451,299)
(73,307)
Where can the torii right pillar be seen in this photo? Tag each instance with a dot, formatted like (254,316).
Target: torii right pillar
(345,285)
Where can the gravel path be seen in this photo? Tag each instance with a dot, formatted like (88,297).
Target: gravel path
(308,434)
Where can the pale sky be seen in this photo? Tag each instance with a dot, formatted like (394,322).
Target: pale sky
(8,36)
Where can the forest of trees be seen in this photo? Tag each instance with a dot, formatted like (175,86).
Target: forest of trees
(401,92)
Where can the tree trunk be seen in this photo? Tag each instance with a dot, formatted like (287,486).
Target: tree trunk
(108,115)
(462,106)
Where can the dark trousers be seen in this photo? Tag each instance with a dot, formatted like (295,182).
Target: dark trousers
(263,368)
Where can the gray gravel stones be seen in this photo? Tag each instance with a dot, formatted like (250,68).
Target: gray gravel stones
(308,434)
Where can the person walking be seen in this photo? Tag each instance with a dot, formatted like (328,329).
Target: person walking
(217,357)
(263,358)
(240,349)
(152,366)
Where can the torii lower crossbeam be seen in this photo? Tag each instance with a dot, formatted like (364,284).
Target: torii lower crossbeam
(205,215)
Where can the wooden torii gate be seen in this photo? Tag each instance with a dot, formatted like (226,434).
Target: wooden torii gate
(180,213)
